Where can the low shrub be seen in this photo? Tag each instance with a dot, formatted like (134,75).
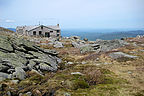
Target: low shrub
(80,84)
(93,76)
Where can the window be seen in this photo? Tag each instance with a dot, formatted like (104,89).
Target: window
(34,32)
(47,34)
(58,31)
(58,35)
(40,32)
(51,31)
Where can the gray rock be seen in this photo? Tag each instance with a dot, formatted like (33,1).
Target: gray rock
(90,48)
(28,94)
(15,81)
(129,72)
(76,45)
(108,45)
(36,72)
(75,37)
(70,63)
(5,45)
(20,94)
(85,39)
(19,73)
(142,50)
(18,55)
(76,73)
(83,62)
(116,55)
(142,45)
(58,44)
(10,70)
(47,67)
(3,76)
(31,64)
(67,94)
(9,93)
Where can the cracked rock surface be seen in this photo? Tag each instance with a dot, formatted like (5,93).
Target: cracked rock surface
(18,55)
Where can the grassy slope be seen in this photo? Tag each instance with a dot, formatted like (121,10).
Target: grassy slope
(104,77)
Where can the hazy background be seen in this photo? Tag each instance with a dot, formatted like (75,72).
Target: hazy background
(73,14)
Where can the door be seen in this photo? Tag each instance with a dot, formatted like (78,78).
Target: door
(47,34)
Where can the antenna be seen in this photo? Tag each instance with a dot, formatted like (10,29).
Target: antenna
(39,22)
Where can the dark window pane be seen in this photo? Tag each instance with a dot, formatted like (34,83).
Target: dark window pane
(40,32)
(34,32)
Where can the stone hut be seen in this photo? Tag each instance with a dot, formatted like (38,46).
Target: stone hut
(39,30)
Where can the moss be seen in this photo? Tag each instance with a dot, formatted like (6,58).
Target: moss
(25,83)
(36,78)
(140,93)
(68,45)
(80,84)
(124,59)
(106,71)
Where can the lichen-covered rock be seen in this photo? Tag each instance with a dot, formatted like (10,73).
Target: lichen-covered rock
(116,55)
(85,39)
(58,44)
(5,45)
(90,48)
(18,55)
(75,37)
(3,76)
(108,45)
(19,73)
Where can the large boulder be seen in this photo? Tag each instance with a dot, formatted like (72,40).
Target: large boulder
(116,55)
(75,37)
(58,44)
(5,45)
(78,44)
(3,76)
(19,73)
(90,48)
(18,55)
(108,45)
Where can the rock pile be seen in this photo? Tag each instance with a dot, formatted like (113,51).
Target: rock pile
(107,45)
(99,45)
(116,55)
(18,55)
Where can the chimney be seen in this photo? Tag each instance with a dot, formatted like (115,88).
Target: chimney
(58,25)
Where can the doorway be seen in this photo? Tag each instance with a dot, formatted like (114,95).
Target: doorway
(47,34)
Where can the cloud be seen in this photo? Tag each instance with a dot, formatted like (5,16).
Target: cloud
(9,21)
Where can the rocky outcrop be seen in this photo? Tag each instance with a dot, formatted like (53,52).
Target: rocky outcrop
(75,37)
(58,44)
(98,45)
(108,45)
(90,48)
(18,55)
(116,55)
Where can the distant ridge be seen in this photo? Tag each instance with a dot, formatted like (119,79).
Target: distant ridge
(5,30)
(12,29)
(118,35)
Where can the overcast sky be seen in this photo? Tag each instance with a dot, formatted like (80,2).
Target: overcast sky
(73,13)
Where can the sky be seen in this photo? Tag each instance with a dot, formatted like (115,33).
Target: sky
(94,14)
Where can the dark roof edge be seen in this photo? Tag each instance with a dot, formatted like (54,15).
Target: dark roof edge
(43,26)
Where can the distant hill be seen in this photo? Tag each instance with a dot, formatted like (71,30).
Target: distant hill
(118,35)
(5,30)
(12,29)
